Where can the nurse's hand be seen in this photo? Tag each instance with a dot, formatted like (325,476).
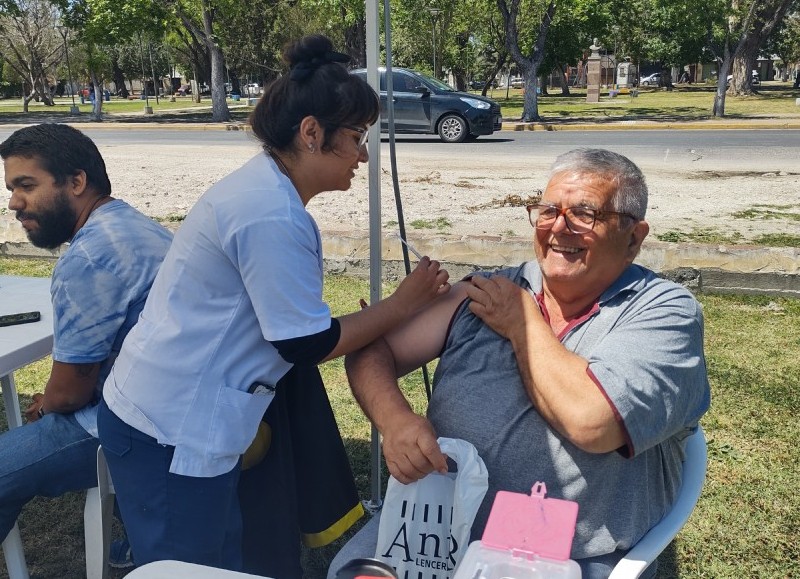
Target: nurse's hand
(427,282)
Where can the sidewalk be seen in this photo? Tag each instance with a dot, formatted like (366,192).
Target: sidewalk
(777,123)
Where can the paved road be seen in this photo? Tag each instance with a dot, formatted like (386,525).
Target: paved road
(756,150)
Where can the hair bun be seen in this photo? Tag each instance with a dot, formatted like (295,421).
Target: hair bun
(309,53)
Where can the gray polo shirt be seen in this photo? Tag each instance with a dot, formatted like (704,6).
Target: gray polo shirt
(644,343)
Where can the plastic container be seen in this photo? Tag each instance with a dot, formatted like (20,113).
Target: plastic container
(365,569)
(526,537)
(481,562)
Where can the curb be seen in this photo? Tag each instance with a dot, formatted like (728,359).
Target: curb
(652,125)
(741,269)
(507,126)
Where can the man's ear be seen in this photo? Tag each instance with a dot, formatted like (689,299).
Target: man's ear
(637,235)
(311,134)
(78,183)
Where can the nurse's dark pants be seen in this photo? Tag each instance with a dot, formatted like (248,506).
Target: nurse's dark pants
(169,516)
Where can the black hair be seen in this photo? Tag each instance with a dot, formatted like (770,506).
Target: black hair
(62,152)
(317,85)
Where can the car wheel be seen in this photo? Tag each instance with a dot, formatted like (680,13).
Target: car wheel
(453,129)
(645,83)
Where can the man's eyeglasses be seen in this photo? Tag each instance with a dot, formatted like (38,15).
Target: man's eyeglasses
(361,131)
(577,219)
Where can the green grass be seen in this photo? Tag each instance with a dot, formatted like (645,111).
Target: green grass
(769,212)
(171,218)
(686,102)
(777,240)
(701,235)
(115,105)
(440,223)
(710,235)
(746,523)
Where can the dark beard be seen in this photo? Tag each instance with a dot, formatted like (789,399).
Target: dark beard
(56,223)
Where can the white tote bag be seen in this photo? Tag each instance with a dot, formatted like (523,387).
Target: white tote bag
(425,526)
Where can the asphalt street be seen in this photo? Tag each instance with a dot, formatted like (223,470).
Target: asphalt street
(751,150)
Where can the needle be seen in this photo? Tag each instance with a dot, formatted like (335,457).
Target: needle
(409,246)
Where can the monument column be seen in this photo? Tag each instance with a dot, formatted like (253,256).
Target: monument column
(593,74)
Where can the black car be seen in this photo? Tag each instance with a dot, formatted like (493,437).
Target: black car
(424,105)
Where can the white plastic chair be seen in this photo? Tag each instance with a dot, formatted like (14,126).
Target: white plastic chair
(180,570)
(97,516)
(656,539)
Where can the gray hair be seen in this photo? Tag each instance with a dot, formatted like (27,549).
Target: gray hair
(631,191)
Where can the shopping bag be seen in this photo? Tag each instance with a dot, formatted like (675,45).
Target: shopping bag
(425,526)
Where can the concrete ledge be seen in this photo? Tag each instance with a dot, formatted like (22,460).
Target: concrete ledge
(707,268)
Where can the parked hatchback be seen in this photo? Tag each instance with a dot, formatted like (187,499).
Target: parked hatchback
(651,80)
(425,105)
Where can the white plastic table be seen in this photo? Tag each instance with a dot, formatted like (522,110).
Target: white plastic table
(19,346)
(180,570)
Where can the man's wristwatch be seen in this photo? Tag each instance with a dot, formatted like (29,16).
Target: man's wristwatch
(40,412)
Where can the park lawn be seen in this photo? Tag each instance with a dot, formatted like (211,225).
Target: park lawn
(13,107)
(748,518)
(685,102)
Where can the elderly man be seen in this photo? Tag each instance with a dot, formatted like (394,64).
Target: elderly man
(61,193)
(580,369)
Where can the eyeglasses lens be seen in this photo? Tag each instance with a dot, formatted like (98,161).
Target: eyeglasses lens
(578,219)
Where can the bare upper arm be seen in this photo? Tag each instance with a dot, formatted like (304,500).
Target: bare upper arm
(422,337)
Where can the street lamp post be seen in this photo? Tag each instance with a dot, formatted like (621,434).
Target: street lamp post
(615,29)
(148,110)
(434,16)
(64,31)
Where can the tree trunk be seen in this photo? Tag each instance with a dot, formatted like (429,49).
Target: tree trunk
(530,107)
(743,63)
(97,108)
(719,96)
(355,41)
(219,106)
(528,65)
(119,77)
(564,80)
(196,89)
(502,57)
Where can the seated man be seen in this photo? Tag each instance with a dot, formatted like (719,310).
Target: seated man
(61,193)
(578,369)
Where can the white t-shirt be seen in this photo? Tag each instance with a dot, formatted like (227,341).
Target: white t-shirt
(244,268)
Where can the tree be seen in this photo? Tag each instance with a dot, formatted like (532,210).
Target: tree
(726,38)
(571,32)
(768,15)
(345,19)
(491,46)
(785,43)
(527,64)
(103,23)
(250,33)
(199,18)
(31,46)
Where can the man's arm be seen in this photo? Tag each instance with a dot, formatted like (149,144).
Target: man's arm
(69,388)
(556,379)
(409,441)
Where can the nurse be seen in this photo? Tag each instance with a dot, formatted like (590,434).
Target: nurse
(235,309)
